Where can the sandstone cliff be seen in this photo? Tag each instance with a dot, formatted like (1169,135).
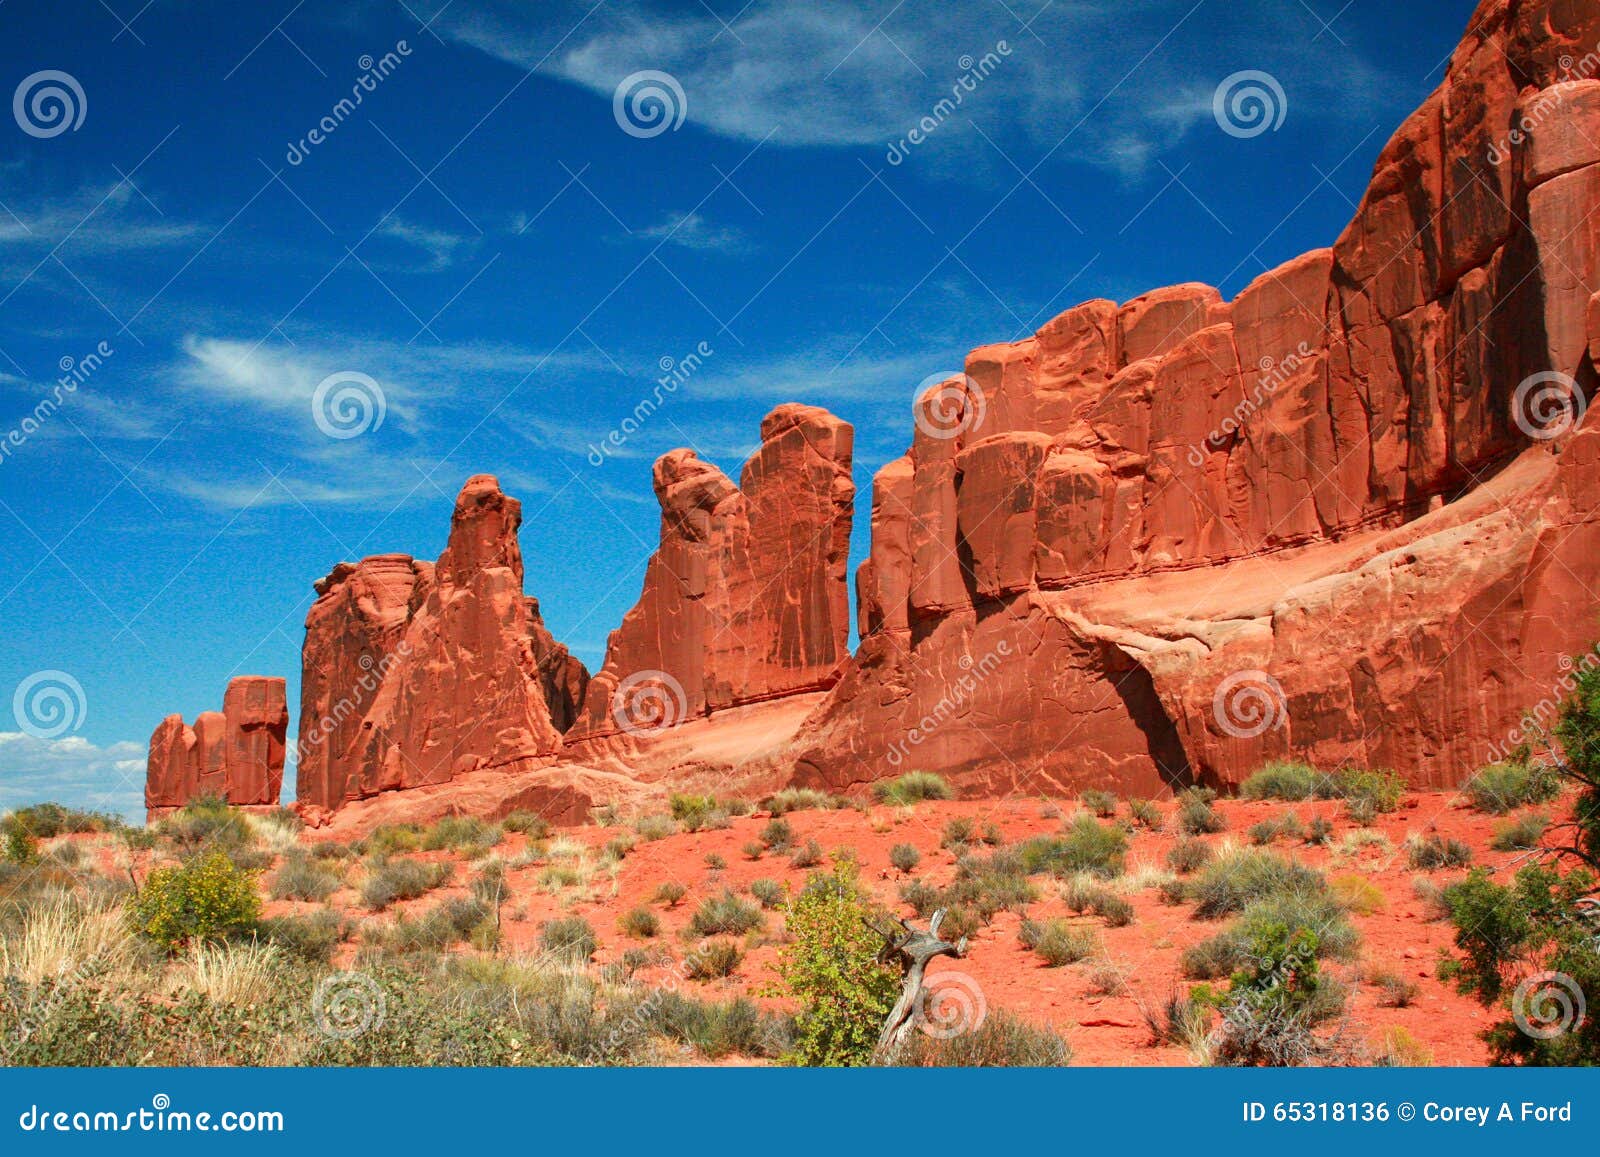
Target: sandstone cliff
(235,754)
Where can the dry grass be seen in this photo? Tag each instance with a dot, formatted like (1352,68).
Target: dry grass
(236,974)
(64,937)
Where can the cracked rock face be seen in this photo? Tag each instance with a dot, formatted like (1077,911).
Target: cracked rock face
(235,754)
(417,672)
(746,597)
(1167,541)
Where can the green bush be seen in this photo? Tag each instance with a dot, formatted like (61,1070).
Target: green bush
(1285,780)
(1578,730)
(390,881)
(312,937)
(794,799)
(808,855)
(531,824)
(45,821)
(669,894)
(389,839)
(1276,828)
(1115,910)
(1504,787)
(1147,814)
(725,915)
(1320,830)
(569,938)
(22,846)
(1366,791)
(1056,942)
(208,821)
(830,968)
(1087,846)
(913,787)
(466,834)
(959,831)
(1189,855)
(658,827)
(777,835)
(904,858)
(207,898)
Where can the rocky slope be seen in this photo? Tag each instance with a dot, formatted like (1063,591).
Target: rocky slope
(1349,515)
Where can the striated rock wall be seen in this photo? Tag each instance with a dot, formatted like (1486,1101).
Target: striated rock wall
(415,673)
(1348,515)
(235,754)
(746,598)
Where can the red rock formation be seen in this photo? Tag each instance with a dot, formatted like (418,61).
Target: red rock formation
(234,754)
(1166,541)
(416,672)
(746,598)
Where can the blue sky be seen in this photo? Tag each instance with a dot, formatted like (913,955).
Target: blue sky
(482,241)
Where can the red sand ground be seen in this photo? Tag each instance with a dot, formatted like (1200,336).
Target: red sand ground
(1103,1030)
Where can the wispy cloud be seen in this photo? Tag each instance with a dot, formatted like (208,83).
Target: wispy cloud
(837,73)
(441,247)
(97,219)
(693,231)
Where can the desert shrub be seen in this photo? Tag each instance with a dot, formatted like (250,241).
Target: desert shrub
(1366,791)
(1231,881)
(390,881)
(438,928)
(21,846)
(1357,894)
(616,849)
(1432,897)
(1196,816)
(1430,853)
(640,923)
(691,811)
(713,959)
(1395,991)
(913,787)
(390,839)
(904,858)
(1275,828)
(466,834)
(1504,787)
(655,827)
(1578,730)
(808,855)
(754,850)
(777,834)
(1189,855)
(669,893)
(1214,958)
(724,915)
(1001,1041)
(45,821)
(569,938)
(1086,846)
(1284,780)
(959,831)
(1147,814)
(960,923)
(794,799)
(1519,835)
(1101,803)
(922,896)
(715,862)
(1056,942)
(1319,831)
(830,967)
(768,893)
(1399,1048)
(717,1029)
(1275,1001)
(312,937)
(302,878)
(991,834)
(207,898)
(1115,910)
(1361,810)
(1183,1019)
(531,824)
(207,821)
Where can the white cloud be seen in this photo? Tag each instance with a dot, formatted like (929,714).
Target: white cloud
(97,220)
(72,771)
(693,231)
(839,73)
(442,248)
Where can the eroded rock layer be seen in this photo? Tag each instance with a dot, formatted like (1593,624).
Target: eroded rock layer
(1348,516)
(415,673)
(235,754)
(746,598)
